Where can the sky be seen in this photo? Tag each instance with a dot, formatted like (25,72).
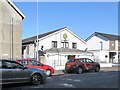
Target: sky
(82,18)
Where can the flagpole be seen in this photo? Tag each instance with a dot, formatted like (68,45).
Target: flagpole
(37,30)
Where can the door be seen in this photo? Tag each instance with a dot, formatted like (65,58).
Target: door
(89,63)
(36,64)
(19,74)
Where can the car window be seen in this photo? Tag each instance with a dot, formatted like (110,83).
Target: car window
(12,65)
(89,60)
(71,60)
(39,64)
(24,62)
(83,60)
(33,62)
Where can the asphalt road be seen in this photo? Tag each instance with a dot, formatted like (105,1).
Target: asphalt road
(102,79)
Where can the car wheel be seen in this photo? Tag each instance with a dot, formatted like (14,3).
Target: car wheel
(97,69)
(36,79)
(48,72)
(80,70)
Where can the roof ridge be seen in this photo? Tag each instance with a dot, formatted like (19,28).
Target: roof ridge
(107,34)
(41,35)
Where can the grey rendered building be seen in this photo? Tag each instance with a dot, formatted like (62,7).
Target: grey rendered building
(10,30)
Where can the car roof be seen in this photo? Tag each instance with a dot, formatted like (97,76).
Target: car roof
(80,58)
(8,60)
(27,59)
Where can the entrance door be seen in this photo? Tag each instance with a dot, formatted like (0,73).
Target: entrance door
(71,57)
(112,56)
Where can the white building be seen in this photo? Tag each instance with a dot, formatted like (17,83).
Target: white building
(105,47)
(58,46)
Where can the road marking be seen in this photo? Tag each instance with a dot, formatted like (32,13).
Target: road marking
(67,85)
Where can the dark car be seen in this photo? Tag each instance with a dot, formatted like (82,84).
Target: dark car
(80,65)
(14,72)
(33,63)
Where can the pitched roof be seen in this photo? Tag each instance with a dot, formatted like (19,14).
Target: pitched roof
(66,50)
(108,36)
(32,39)
(16,9)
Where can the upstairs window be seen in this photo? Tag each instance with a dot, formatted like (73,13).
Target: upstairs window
(54,44)
(65,44)
(74,45)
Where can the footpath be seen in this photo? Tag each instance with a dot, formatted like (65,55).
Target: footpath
(105,69)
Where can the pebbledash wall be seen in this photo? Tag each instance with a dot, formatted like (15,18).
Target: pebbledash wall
(10,30)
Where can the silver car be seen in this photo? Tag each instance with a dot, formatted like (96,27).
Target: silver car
(14,72)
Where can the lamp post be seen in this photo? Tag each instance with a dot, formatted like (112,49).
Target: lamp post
(37,30)
(101,45)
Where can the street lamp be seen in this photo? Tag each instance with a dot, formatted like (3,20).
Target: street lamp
(101,45)
(37,30)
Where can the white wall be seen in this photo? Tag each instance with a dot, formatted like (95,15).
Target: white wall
(47,41)
(117,45)
(99,56)
(94,43)
(102,56)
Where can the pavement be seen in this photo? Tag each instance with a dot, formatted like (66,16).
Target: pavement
(103,69)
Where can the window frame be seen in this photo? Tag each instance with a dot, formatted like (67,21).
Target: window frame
(74,45)
(54,44)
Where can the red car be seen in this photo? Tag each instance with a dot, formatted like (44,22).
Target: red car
(82,64)
(33,63)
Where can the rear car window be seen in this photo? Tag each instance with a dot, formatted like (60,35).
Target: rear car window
(71,60)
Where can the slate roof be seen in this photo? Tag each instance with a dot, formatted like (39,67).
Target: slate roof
(32,39)
(108,36)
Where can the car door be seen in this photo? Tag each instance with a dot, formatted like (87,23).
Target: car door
(20,74)
(89,63)
(35,64)
(7,72)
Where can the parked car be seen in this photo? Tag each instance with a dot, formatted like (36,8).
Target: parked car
(82,64)
(33,63)
(14,72)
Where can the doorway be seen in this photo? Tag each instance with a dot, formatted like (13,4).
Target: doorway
(112,56)
(71,57)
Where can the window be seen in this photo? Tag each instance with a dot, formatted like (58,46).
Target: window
(71,60)
(74,45)
(54,44)
(89,61)
(32,62)
(24,62)
(65,44)
(11,65)
(35,63)
(82,60)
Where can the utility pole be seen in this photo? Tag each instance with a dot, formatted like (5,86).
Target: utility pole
(37,30)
